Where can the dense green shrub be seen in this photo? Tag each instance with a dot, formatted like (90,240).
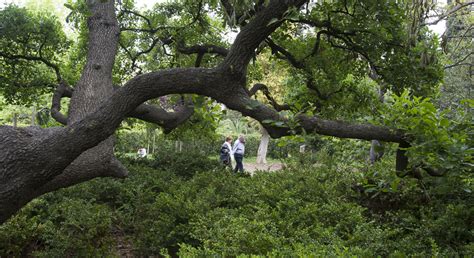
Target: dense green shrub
(185,163)
(69,227)
(129,142)
(318,206)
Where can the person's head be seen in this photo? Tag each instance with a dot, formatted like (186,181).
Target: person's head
(242,139)
(228,139)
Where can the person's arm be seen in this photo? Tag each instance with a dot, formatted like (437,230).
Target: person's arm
(231,151)
(238,147)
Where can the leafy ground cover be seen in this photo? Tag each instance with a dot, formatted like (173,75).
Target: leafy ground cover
(324,208)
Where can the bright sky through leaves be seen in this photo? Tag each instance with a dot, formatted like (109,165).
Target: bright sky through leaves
(60,9)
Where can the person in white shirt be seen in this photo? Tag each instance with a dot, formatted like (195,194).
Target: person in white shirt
(226,152)
(141,152)
(239,150)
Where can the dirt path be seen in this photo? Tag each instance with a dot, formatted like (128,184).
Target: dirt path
(252,167)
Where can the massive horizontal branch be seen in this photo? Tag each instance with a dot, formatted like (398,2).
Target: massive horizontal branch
(149,113)
(342,129)
(167,120)
(203,49)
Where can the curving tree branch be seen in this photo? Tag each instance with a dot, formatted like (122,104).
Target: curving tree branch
(63,90)
(255,32)
(135,57)
(298,65)
(167,120)
(262,87)
(148,113)
(449,12)
(34,58)
(460,62)
(202,49)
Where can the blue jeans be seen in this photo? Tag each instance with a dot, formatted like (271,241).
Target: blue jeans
(239,165)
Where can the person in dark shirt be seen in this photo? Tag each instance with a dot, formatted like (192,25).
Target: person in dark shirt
(226,152)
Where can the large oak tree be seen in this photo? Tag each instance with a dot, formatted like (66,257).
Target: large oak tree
(321,42)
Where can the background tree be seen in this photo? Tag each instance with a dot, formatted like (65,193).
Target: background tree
(457,44)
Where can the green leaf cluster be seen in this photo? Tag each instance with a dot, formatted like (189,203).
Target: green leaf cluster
(440,138)
(26,39)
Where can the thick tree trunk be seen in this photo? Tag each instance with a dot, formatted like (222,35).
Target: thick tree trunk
(94,87)
(263,147)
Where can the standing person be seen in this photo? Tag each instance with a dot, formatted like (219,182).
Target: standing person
(141,152)
(226,152)
(239,150)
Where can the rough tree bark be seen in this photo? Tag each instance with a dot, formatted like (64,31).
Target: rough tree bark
(94,86)
(34,160)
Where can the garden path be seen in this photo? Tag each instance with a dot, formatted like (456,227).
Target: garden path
(252,167)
